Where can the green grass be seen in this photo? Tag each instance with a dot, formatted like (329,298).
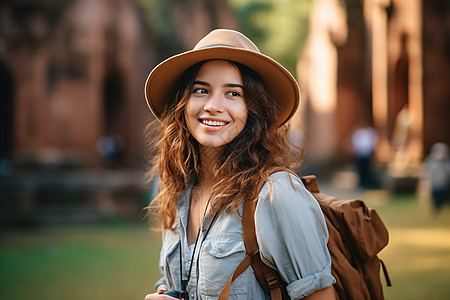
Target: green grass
(119,261)
(79,262)
(418,254)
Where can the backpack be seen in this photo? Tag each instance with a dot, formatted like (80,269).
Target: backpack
(356,235)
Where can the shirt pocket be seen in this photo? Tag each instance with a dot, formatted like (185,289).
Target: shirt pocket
(169,263)
(218,260)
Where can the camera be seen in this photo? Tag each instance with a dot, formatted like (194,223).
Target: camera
(177,294)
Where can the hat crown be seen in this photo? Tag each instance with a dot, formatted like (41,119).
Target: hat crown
(226,38)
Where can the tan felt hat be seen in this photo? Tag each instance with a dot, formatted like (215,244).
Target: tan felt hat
(228,45)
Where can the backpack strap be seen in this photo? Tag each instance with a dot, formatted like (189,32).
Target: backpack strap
(251,251)
(239,270)
(310,182)
(267,277)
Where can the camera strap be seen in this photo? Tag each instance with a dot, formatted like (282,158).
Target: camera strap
(184,282)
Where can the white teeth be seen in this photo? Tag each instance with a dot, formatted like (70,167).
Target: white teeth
(213,123)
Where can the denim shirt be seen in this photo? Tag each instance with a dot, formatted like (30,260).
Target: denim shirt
(291,234)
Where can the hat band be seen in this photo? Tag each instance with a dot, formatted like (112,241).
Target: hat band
(216,45)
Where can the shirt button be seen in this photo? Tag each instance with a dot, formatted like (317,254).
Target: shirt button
(192,296)
(220,250)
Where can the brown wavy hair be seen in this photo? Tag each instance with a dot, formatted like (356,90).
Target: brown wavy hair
(244,162)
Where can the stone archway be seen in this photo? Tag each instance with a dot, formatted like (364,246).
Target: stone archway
(401,79)
(111,144)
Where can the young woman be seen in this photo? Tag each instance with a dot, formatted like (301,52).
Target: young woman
(222,109)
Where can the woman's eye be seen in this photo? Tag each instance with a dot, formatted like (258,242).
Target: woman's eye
(234,94)
(200,91)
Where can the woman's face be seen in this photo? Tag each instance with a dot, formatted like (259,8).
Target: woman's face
(216,111)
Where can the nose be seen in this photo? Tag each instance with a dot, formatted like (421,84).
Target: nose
(214,104)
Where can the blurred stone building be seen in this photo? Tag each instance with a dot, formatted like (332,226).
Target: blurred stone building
(75,71)
(72,75)
(380,62)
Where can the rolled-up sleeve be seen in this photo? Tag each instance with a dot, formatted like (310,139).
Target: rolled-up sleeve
(292,235)
(161,281)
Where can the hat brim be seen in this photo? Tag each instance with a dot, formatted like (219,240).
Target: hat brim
(279,81)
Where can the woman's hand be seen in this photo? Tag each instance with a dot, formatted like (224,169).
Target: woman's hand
(159,294)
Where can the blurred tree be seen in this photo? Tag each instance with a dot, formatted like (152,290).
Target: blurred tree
(177,25)
(157,16)
(278,27)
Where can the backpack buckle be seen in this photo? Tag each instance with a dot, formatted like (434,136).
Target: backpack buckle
(272,279)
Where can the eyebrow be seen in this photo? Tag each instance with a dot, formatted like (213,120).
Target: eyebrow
(226,85)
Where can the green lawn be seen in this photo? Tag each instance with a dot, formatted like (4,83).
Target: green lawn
(119,261)
(418,255)
(79,262)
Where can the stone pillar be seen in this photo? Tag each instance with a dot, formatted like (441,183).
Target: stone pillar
(317,71)
(376,16)
(414,27)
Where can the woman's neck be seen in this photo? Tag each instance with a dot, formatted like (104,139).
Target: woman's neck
(201,193)
(208,157)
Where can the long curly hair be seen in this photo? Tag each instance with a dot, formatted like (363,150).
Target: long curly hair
(244,162)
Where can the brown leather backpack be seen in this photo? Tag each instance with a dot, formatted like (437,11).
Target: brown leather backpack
(356,235)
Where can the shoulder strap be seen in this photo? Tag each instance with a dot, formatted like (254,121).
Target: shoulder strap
(239,270)
(310,182)
(267,277)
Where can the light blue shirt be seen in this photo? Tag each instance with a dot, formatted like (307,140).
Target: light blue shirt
(292,237)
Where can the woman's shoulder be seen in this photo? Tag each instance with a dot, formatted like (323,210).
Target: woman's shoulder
(283,175)
(284,179)
(286,201)
(282,184)
(284,197)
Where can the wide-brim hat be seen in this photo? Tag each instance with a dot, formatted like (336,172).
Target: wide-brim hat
(227,45)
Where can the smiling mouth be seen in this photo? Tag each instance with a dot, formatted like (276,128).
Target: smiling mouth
(213,123)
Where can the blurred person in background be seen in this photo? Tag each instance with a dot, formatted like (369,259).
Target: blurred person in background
(364,140)
(110,148)
(436,175)
(222,109)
